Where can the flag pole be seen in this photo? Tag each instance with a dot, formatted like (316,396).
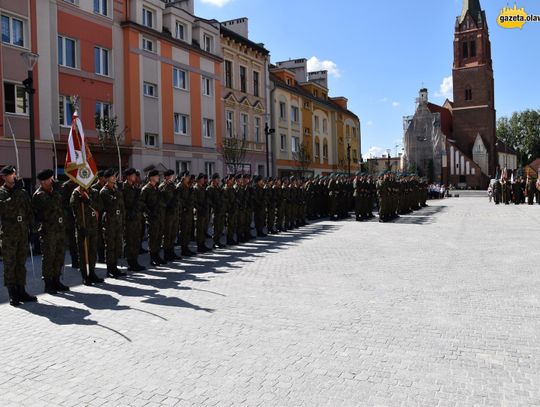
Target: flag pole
(14,144)
(55,156)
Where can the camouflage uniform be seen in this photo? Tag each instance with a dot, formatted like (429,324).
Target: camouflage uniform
(215,196)
(186,217)
(111,220)
(153,213)
(69,222)
(169,202)
(132,225)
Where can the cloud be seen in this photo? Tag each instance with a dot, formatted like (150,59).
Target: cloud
(217,3)
(446,88)
(396,104)
(369,123)
(315,64)
(384,100)
(375,151)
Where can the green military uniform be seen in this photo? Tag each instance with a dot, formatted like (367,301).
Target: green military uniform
(100,242)
(249,206)
(259,206)
(200,204)
(153,213)
(111,219)
(49,214)
(231,207)
(241,213)
(69,222)
(216,199)
(83,204)
(132,223)
(270,196)
(15,219)
(278,197)
(186,214)
(169,202)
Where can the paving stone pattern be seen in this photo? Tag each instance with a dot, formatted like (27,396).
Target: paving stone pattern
(440,308)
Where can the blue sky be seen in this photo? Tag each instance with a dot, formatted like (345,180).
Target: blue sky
(381,55)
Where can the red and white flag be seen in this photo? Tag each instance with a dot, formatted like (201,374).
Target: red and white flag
(80,165)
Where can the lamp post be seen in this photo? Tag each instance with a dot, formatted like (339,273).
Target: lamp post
(267,132)
(31,59)
(388,156)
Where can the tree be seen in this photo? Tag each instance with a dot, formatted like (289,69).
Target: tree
(233,150)
(521,132)
(106,128)
(302,158)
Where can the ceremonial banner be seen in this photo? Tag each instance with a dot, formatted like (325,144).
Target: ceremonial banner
(80,165)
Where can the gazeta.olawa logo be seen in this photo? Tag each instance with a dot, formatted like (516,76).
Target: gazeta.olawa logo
(515,17)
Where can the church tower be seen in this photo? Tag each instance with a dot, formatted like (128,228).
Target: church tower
(472,73)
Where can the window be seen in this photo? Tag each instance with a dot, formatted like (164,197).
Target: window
(283,142)
(244,124)
(354,155)
(209,168)
(243,85)
(256,83)
(181,124)
(473,49)
(13,31)
(67,52)
(66,111)
(70,1)
(147,17)
(294,114)
(150,139)
(306,105)
(260,170)
(179,78)
(103,110)
(325,126)
(207,86)
(325,150)
(228,74)
(148,45)
(208,42)
(316,123)
(101,61)
(468,93)
(282,111)
(149,89)
(15,98)
(230,123)
(208,128)
(317,149)
(183,166)
(258,129)
(180,31)
(295,144)
(465,50)
(100,7)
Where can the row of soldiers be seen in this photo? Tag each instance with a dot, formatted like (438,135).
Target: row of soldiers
(110,219)
(520,191)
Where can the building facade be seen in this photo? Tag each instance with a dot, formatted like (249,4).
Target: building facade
(245,94)
(312,130)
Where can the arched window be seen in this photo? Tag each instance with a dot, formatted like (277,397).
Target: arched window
(317,148)
(468,93)
(325,149)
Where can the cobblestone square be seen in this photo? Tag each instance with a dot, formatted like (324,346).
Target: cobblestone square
(439,308)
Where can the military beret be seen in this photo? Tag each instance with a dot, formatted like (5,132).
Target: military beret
(192,176)
(138,173)
(238,176)
(8,170)
(101,173)
(258,178)
(230,177)
(293,178)
(168,173)
(205,176)
(130,171)
(283,179)
(247,176)
(270,179)
(216,176)
(153,173)
(109,173)
(200,176)
(45,174)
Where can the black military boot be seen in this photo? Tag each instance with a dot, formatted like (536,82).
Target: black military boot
(50,286)
(135,266)
(173,256)
(186,251)
(24,296)
(59,285)
(112,271)
(201,248)
(160,260)
(14,298)
(154,261)
(93,278)
(231,242)
(119,272)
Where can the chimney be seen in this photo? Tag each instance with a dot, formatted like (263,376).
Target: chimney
(298,66)
(319,77)
(341,101)
(239,26)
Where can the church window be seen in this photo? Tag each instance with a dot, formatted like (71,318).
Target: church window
(465,50)
(473,49)
(468,93)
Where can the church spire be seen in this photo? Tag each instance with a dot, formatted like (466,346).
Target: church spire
(474,9)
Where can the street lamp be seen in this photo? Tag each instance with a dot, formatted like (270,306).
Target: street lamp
(267,132)
(31,59)
(388,156)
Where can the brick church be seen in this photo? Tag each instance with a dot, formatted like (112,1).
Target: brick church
(456,143)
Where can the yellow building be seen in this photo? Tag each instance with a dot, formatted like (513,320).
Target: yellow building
(312,130)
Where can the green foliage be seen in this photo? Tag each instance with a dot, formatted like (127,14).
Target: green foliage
(521,132)
(106,128)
